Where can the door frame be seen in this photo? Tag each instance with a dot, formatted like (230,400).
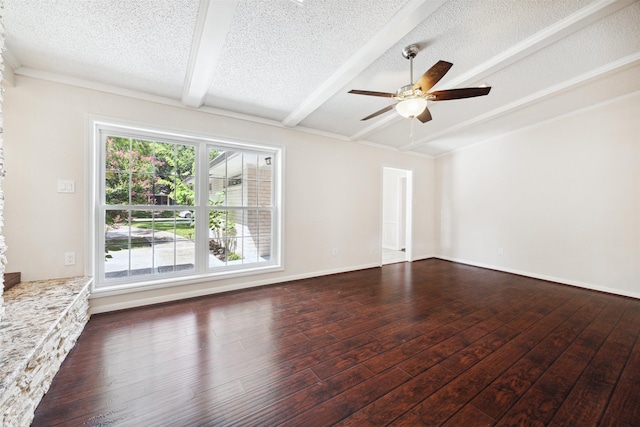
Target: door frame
(407,207)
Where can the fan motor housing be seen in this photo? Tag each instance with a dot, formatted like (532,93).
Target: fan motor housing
(410,51)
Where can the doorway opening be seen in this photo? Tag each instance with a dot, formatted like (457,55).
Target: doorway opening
(397,191)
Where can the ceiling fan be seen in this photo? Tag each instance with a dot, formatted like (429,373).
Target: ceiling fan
(412,98)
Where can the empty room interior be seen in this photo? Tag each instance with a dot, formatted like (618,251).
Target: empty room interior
(320,212)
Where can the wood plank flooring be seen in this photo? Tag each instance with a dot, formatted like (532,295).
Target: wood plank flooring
(424,343)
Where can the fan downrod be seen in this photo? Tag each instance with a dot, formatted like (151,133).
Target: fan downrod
(410,52)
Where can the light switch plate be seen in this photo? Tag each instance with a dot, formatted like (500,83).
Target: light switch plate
(66,186)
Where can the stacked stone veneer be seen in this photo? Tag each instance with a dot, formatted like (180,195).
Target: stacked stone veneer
(42,322)
(3,246)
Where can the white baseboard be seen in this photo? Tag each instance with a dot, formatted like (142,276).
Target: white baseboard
(543,277)
(423,257)
(137,299)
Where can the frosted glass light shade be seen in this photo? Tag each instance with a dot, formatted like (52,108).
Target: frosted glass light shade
(411,107)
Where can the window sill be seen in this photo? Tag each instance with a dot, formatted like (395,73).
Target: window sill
(106,290)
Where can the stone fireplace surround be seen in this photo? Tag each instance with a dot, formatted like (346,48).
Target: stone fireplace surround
(43,320)
(3,246)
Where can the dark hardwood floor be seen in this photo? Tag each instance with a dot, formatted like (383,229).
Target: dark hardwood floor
(423,343)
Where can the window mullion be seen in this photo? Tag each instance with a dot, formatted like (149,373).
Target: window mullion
(201,208)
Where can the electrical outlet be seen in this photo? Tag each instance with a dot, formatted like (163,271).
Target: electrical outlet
(500,251)
(69,258)
(335,252)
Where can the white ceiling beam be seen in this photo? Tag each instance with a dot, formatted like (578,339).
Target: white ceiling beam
(398,27)
(214,19)
(561,29)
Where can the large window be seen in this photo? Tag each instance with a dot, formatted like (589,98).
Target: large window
(176,207)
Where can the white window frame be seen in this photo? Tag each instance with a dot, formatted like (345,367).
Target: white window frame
(96,207)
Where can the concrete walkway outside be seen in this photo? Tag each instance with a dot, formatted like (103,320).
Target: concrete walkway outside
(163,251)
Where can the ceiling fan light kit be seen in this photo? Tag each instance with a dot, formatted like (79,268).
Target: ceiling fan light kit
(412,99)
(411,107)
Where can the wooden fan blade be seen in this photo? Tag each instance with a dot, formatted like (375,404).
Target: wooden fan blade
(425,116)
(468,92)
(432,76)
(377,113)
(372,93)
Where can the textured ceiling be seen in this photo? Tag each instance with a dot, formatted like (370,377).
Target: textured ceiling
(281,52)
(284,63)
(121,43)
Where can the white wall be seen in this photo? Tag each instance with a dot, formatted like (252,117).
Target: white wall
(560,200)
(332,188)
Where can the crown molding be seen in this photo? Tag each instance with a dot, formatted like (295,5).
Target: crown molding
(11,64)
(8,75)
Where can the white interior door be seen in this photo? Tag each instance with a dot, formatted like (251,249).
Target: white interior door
(396,215)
